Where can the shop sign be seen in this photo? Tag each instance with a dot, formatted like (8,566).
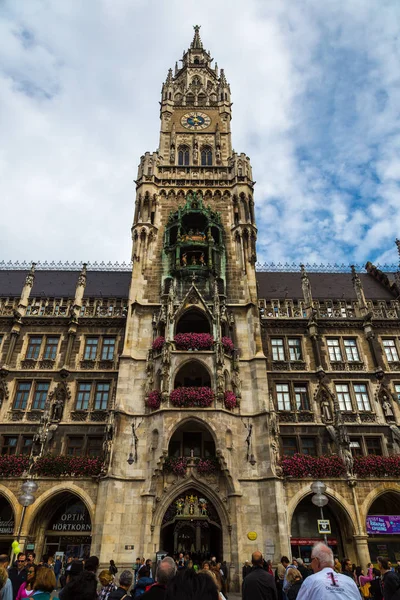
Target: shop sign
(30,547)
(324,526)
(383,524)
(73,519)
(7,527)
(130,547)
(310,541)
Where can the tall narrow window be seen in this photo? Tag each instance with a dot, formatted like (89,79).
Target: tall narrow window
(374,445)
(75,446)
(83,396)
(102,394)
(350,347)
(294,349)
(390,350)
(27,442)
(397,389)
(301,396)
(39,398)
(34,347)
(22,395)
(362,398)
(94,446)
(282,396)
(309,446)
(183,156)
(9,444)
(91,348)
(343,395)
(107,352)
(289,446)
(278,352)
(334,350)
(206,156)
(50,349)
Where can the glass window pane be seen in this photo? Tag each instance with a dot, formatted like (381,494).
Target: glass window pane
(39,398)
(94,446)
(309,446)
(294,349)
(107,352)
(91,348)
(356,446)
(282,395)
(22,395)
(34,347)
(397,389)
(360,391)
(101,397)
(26,445)
(83,396)
(192,441)
(351,350)
(301,396)
(75,446)
(9,444)
(334,350)
(390,349)
(289,446)
(277,349)
(50,350)
(343,395)
(374,445)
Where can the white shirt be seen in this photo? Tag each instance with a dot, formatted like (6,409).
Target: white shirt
(328,585)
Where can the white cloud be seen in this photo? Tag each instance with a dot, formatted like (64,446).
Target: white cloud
(316,90)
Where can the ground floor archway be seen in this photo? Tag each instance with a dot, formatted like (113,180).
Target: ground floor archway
(304,528)
(62,526)
(383,527)
(191,525)
(7,525)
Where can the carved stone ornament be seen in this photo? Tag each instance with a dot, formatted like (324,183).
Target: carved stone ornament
(3,391)
(58,399)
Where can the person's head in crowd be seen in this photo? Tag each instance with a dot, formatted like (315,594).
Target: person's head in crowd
(21,561)
(293,575)
(45,580)
(138,561)
(144,572)
(3,576)
(187,584)
(45,559)
(321,557)
(84,587)
(285,561)
(205,565)
(166,570)
(31,570)
(30,556)
(212,573)
(4,561)
(383,564)
(92,564)
(73,570)
(125,580)
(106,577)
(257,559)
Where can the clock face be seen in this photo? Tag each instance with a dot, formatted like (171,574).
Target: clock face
(195,121)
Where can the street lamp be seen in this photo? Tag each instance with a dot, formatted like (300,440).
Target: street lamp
(319,499)
(26,498)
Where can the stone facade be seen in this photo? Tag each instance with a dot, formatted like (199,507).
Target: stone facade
(306,360)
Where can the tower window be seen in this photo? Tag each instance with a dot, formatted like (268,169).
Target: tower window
(183,155)
(206,156)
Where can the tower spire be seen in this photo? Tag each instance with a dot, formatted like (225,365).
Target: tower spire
(197,43)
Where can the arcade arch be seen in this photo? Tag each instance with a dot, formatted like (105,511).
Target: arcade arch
(7,524)
(383,526)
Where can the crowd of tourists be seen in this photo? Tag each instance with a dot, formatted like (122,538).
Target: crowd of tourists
(325,578)
(183,577)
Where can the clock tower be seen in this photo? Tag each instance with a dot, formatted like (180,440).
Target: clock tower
(192,464)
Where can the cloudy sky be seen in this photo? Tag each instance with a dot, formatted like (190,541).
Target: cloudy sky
(316,92)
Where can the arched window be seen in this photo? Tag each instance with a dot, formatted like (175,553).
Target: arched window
(183,155)
(206,156)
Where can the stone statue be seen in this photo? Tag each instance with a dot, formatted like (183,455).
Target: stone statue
(58,408)
(326,409)
(184,259)
(201,259)
(220,382)
(387,409)
(236,384)
(194,260)
(347,459)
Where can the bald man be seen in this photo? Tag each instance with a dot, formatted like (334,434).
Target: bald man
(259,585)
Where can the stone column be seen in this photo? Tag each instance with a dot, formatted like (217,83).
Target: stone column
(362,550)
(198,537)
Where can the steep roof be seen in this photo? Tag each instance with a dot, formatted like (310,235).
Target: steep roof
(279,285)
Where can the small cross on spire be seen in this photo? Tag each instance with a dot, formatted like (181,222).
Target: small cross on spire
(197,43)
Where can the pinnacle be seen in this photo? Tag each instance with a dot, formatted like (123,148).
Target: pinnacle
(196,43)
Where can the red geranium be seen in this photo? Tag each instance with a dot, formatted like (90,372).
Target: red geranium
(193,341)
(153,400)
(230,400)
(177,466)
(227,344)
(158,343)
(192,396)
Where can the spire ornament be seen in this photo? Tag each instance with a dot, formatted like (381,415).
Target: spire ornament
(197,43)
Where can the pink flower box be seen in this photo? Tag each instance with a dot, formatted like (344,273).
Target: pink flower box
(158,343)
(230,400)
(192,396)
(153,400)
(194,341)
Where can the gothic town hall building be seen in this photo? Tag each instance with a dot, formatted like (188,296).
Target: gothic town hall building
(188,402)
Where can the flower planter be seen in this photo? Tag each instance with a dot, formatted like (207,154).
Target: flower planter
(207,466)
(302,465)
(227,344)
(194,341)
(177,466)
(230,400)
(13,465)
(153,400)
(192,396)
(73,466)
(158,343)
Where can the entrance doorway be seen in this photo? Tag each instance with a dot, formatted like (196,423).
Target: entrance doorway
(7,525)
(191,525)
(383,527)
